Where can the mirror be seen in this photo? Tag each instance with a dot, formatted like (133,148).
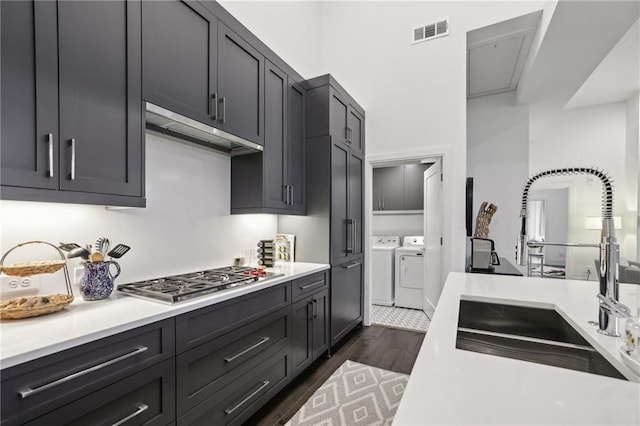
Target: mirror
(576,104)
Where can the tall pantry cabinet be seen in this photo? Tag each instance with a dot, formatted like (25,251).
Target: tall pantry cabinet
(332,231)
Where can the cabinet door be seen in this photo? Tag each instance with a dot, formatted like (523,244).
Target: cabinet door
(356,226)
(295,154)
(275,97)
(355,130)
(414,186)
(338,113)
(301,334)
(100,69)
(320,324)
(340,226)
(346,298)
(392,188)
(29,94)
(179,57)
(240,81)
(145,398)
(378,175)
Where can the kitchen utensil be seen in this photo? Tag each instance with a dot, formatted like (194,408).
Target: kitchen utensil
(68,246)
(102,245)
(119,251)
(79,252)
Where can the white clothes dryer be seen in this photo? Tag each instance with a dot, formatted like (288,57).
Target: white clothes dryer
(410,272)
(383,253)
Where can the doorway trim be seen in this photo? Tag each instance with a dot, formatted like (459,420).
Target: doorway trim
(444,153)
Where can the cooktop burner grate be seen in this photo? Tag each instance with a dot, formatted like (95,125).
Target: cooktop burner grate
(183,287)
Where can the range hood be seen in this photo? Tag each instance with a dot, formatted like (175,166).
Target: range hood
(170,123)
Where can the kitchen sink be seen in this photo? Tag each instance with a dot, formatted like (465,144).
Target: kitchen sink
(529,334)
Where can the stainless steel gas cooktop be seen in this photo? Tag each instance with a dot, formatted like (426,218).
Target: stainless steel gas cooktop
(178,288)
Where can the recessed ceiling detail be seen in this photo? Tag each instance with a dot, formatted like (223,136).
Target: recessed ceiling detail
(496,55)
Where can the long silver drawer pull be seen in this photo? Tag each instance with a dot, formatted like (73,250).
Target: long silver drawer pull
(224,109)
(50,145)
(304,287)
(244,401)
(249,349)
(72,143)
(315,308)
(291,198)
(352,242)
(354,230)
(141,409)
(353,265)
(29,392)
(214,106)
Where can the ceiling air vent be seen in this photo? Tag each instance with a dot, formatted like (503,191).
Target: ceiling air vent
(440,28)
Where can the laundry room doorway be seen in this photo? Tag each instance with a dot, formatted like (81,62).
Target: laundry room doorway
(405,206)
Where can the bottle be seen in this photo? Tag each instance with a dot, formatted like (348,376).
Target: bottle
(631,335)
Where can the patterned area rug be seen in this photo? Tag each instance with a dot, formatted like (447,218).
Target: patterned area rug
(407,319)
(355,394)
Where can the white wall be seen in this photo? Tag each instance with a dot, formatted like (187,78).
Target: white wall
(290,28)
(186,225)
(498,161)
(396,224)
(590,136)
(414,95)
(632,160)
(556,223)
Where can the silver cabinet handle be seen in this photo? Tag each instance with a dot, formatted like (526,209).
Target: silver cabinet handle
(310,310)
(251,395)
(286,194)
(50,146)
(72,144)
(383,204)
(349,134)
(249,349)
(223,100)
(354,235)
(29,391)
(304,287)
(141,409)
(214,106)
(315,308)
(291,197)
(353,265)
(351,244)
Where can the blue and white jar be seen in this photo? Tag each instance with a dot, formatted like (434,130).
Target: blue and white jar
(97,281)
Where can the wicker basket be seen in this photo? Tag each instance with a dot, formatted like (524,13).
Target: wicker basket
(33,306)
(26,269)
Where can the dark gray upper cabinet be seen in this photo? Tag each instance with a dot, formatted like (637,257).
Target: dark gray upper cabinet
(179,57)
(29,79)
(240,86)
(398,187)
(274,181)
(355,129)
(77,64)
(338,116)
(100,96)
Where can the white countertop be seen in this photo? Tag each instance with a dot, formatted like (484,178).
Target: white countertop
(449,386)
(82,322)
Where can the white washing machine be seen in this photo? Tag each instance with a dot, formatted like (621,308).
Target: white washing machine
(383,269)
(410,272)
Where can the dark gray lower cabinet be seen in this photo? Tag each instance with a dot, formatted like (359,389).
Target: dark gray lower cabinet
(309,333)
(38,387)
(146,398)
(346,298)
(212,366)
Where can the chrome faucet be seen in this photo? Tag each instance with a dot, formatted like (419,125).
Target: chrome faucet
(609,307)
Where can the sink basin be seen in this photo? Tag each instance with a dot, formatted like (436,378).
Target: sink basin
(528,334)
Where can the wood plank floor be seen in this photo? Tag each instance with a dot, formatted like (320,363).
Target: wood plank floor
(382,347)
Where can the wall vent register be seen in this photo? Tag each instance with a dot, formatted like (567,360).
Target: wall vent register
(440,28)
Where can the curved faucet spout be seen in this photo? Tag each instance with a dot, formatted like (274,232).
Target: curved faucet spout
(609,249)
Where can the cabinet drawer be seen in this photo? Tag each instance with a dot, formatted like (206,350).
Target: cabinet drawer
(146,398)
(197,327)
(37,387)
(305,286)
(244,395)
(203,371)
